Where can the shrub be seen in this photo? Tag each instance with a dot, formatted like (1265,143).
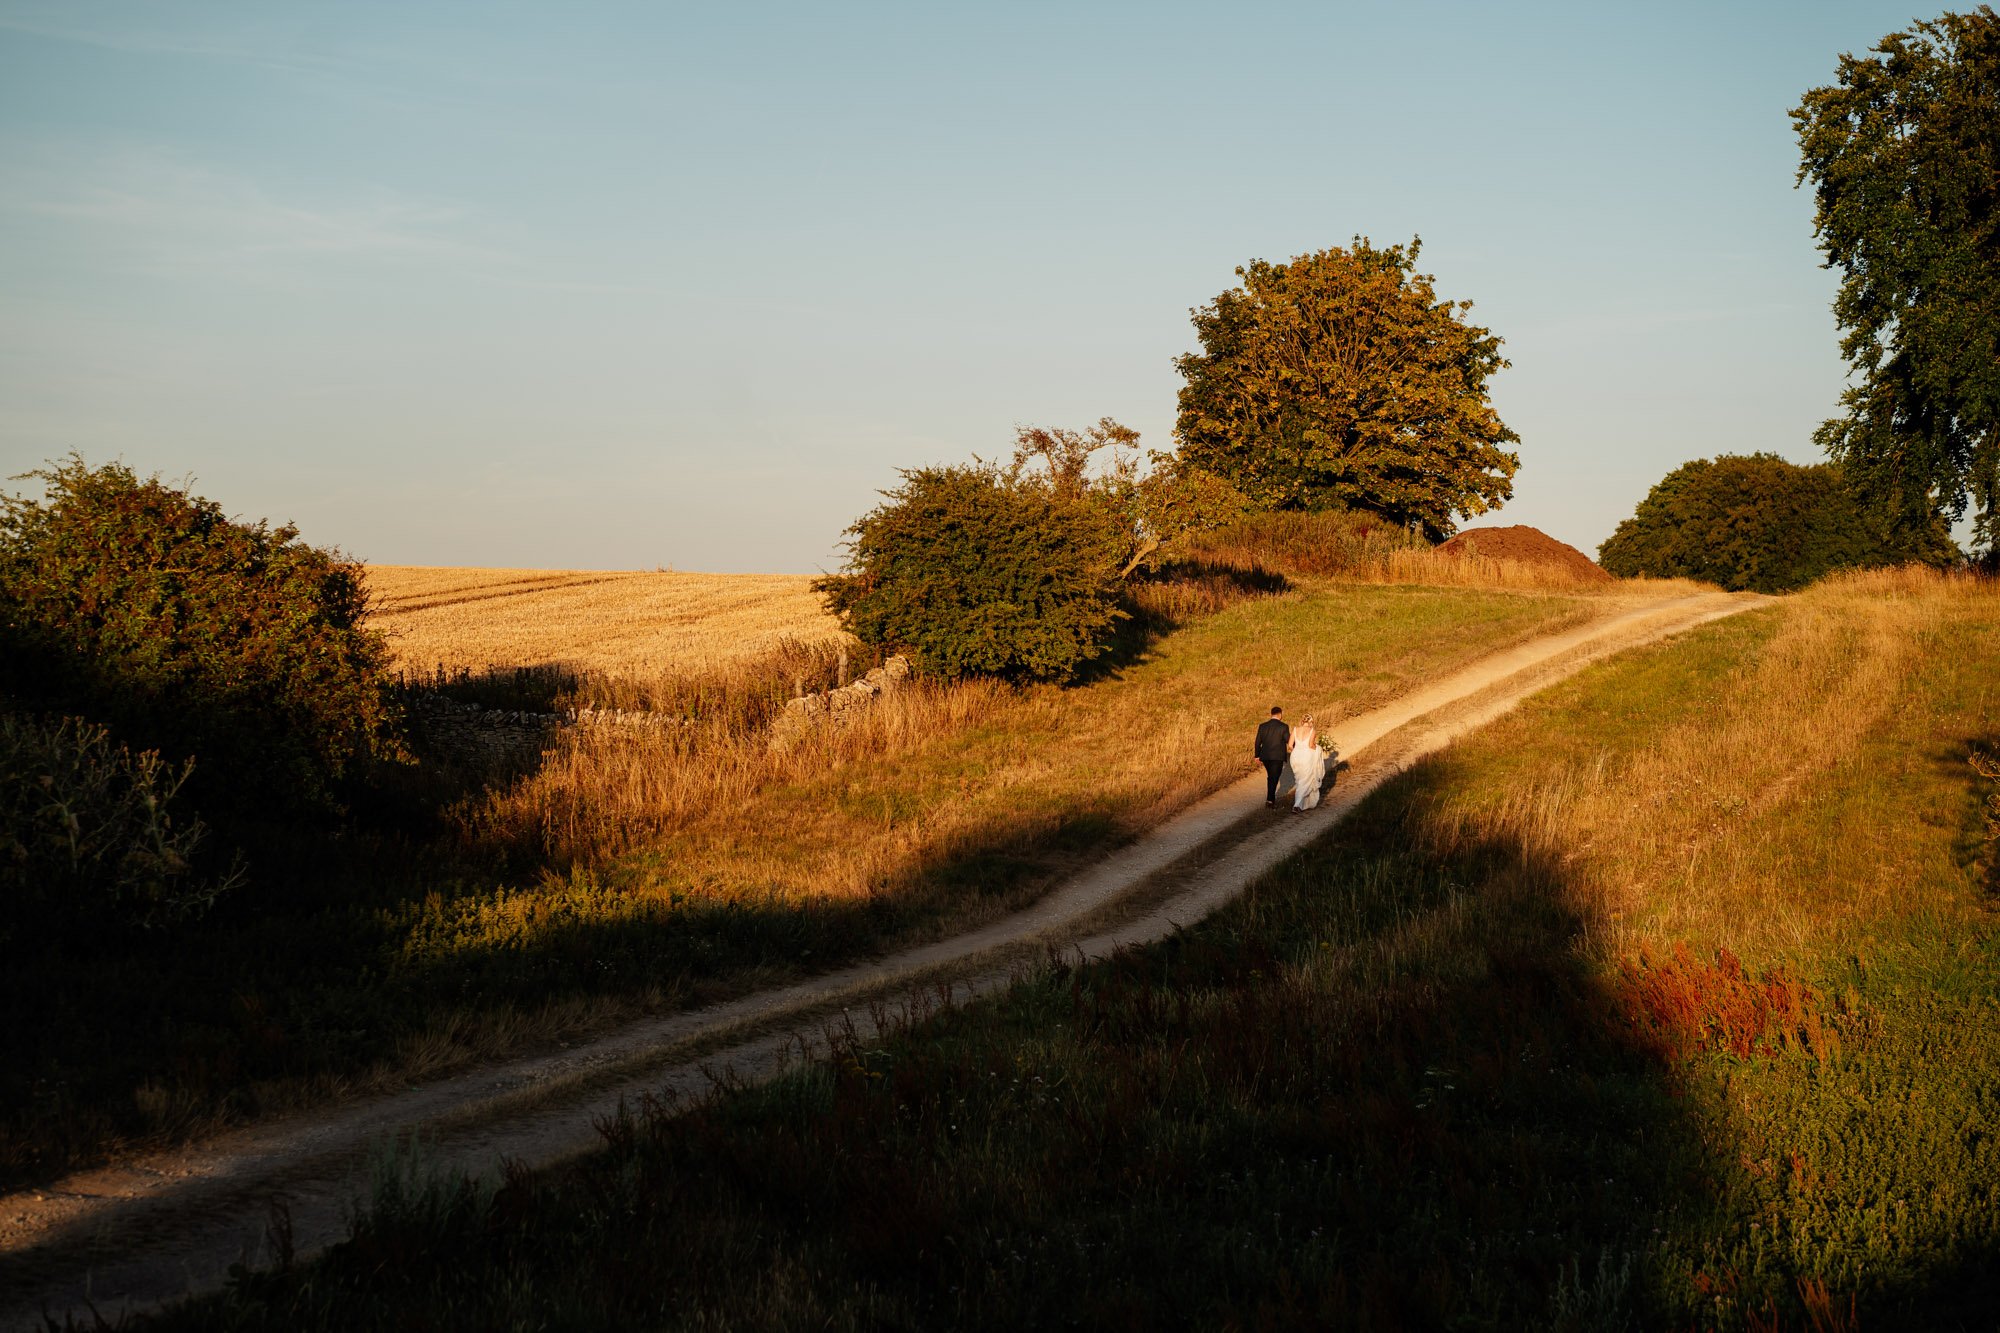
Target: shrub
(144,607)
(977,570)
(1757,523)
(88,833)
(1675,1004)
(1986,763)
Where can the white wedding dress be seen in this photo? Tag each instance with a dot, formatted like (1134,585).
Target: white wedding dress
(1308,768)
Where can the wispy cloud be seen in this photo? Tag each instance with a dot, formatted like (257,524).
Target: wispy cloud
(352,57)
(138,32)
(160,210)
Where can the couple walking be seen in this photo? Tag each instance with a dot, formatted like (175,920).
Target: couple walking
(1279,747)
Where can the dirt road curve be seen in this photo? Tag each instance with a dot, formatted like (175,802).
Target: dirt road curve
(145,1231)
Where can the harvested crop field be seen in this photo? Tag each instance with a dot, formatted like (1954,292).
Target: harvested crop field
(617,622)
(1527,546)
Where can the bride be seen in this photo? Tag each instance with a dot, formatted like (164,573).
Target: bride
(1308,765)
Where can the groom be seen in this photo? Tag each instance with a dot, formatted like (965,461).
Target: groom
(1273,745)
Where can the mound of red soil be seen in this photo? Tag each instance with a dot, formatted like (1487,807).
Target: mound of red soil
(1530,546)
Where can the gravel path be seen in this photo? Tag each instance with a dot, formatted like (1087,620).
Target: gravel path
(148,1230)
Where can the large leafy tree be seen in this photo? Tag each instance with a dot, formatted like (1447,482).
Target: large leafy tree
(1756,522)
(1904,155)
(1340,380)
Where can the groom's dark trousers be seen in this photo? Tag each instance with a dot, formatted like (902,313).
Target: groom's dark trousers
(1272,738)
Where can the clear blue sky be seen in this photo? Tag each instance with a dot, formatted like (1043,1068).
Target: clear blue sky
(623,285)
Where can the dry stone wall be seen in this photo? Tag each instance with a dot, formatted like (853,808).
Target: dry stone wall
(470,735)
(837,707)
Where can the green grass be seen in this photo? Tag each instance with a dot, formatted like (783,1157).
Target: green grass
(1411,1080)
(388,950)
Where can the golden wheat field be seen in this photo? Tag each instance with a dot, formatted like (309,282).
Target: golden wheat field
(616,622)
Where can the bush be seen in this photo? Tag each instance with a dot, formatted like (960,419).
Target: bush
(979,571)
(144,607)
(88,834)
(1757,523)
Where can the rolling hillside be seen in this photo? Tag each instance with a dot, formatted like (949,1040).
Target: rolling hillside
(1665,1001)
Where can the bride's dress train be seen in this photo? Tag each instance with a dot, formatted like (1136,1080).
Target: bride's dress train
(1308,768)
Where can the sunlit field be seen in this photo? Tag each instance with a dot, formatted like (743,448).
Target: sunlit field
(634,870)
(1666,1001)
(614,622)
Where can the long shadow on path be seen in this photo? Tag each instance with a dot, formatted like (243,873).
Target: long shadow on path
(1385,1090)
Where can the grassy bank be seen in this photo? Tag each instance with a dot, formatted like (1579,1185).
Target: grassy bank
(633,873)
(1667,1001)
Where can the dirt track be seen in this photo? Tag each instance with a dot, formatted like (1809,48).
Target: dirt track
(149,1230)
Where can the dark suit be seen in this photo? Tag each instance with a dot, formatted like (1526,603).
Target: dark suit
(1273,748)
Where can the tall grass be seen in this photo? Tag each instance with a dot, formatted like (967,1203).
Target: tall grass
(644,868)
(934,775)
(1329,544)
(1167,595)
(605,790)
(739,694)
(1664,1002)
(1681,830)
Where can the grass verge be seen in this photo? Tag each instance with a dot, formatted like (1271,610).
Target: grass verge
(675,867)
(1667,1001)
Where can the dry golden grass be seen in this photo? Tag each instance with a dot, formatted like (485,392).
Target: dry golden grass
(605,790)
(934,780)
(1360,548)
(1752,820)
(613,622)
(1785,780)
(1440,569)
(939,784)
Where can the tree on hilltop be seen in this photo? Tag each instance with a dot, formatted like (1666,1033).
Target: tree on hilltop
(1904,155)
(1340,380)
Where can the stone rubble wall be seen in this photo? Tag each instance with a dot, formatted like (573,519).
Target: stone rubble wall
(474,736)
(469,735)
(837,707)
